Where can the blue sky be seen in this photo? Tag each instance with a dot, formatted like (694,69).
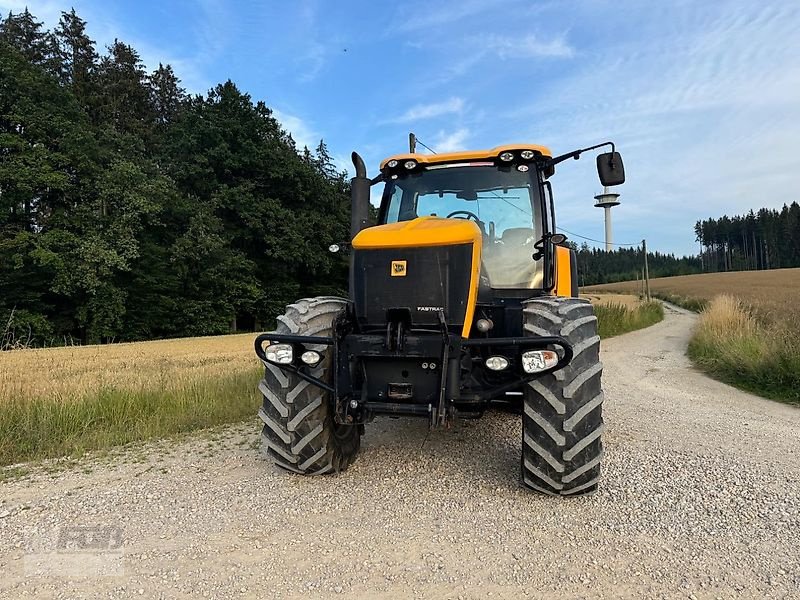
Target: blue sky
(702,98)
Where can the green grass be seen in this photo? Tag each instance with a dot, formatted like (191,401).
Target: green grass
(694,304)
(616,319)
(734,345)
(37,428)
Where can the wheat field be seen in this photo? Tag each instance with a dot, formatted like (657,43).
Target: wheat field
(774,294)
(72,372)
(65,401)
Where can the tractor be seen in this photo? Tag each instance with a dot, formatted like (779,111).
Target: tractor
(463,294)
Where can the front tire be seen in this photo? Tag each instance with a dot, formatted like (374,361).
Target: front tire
(562,417)
(299,433)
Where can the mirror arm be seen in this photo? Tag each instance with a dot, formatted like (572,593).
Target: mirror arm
(576,154)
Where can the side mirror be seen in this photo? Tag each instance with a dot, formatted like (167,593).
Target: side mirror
(610,169)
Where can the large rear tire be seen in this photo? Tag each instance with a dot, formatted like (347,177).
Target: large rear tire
(299,432)
(562,416)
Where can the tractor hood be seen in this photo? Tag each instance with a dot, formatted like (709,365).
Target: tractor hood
(422,231)
(427,265)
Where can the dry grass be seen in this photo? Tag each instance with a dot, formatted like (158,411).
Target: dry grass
(772,294)
(736,346)
(64,401)
(74,371)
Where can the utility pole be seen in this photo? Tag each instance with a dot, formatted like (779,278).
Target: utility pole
(412,143)
(646,271)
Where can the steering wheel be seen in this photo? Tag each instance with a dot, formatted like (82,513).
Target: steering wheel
(470,215)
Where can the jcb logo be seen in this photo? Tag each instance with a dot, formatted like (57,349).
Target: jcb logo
(398,268)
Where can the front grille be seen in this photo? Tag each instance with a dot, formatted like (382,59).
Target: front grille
(435,278)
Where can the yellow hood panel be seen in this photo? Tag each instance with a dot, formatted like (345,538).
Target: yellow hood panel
(422,231)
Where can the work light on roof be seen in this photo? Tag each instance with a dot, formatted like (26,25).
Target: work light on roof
(506,156)
(391,164)
(527,154)
(410,164)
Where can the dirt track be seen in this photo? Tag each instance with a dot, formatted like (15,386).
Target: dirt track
(700,498)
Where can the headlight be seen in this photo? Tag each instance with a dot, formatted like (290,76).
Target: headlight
(522,168)
(496,363)
(410,164)
(527,154)
(506,156)
(310,357)
(280,353)
(535,361)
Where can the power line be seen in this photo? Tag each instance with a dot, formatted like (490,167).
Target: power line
(593,240)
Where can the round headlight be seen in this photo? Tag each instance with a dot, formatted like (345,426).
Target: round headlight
(391,164)
(496,363)
(310,357)
(522,168)
(410,164)
(506,156)
(527,154)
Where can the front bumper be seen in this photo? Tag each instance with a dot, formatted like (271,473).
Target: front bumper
(355,399)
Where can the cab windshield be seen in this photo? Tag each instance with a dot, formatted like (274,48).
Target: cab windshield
(504,204)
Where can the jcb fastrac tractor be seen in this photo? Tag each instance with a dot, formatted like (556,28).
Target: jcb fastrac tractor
(461,295)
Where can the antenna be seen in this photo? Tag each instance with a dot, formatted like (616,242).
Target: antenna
(412,143)
(605,201)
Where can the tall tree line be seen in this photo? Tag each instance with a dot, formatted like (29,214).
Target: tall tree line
(767,239)
(131,210)
(597,266)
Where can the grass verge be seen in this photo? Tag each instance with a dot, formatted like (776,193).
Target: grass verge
(616,319)
(46,427)
(733,345)
(694,304)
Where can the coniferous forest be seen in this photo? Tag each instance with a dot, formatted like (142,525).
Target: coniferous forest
(132,210)
(767,239)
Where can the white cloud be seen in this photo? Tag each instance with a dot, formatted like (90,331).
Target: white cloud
(704,104)
(303,133)
(451,141)
(428,111)
(529,46)
(431,16)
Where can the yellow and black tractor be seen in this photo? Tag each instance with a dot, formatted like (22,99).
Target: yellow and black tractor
(461,295)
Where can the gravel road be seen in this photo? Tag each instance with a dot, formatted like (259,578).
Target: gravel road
(700,498)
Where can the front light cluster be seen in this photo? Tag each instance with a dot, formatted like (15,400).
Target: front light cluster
(283,354)
(409,165)
(508,156)
(536,361)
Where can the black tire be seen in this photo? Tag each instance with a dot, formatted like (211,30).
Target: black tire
(299,433)
(562,416)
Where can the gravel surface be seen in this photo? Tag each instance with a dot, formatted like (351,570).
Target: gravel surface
(700,498)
